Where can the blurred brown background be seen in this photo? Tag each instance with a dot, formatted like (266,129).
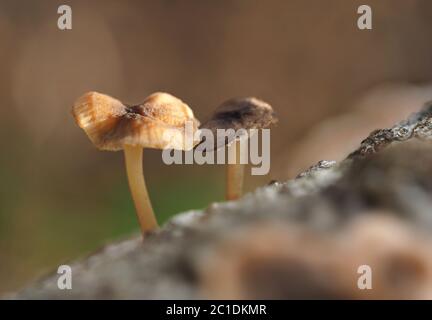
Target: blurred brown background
(329,82)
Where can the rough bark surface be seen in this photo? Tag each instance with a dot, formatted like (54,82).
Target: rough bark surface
(303,238)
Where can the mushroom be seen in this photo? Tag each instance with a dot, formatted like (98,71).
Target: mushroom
(241,115)
(159,122)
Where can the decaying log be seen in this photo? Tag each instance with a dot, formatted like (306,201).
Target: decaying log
(303,238)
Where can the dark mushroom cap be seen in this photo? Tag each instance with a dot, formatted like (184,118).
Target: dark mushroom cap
(156,123)
(238,113)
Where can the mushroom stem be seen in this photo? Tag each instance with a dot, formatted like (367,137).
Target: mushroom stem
(234,173)
(134,169)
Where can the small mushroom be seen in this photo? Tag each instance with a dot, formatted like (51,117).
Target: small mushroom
(239,114)
(159,122)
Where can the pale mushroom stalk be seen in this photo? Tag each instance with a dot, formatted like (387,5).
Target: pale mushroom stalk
(234,173)
(134,169)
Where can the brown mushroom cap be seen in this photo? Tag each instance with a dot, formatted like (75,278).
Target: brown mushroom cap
(238,113)
(158,122)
